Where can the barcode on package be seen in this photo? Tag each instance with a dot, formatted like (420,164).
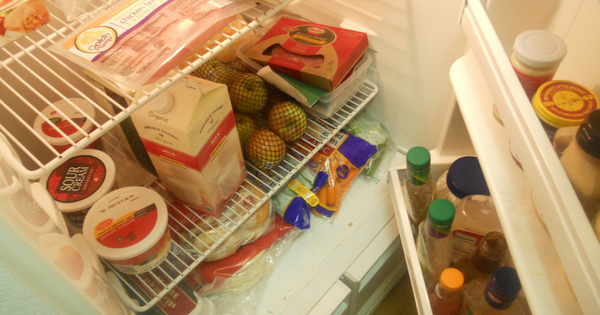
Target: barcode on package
(220,3)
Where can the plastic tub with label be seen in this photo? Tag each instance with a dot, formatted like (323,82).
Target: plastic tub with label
(53,137)
(34,206)
(60,250)
(329,103)
(128,228)
(79,182)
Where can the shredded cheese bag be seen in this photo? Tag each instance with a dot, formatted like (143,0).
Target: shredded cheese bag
(342,159)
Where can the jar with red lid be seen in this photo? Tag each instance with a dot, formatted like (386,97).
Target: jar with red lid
(64,115)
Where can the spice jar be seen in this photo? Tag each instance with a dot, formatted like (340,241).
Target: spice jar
(563,103)
(536,57)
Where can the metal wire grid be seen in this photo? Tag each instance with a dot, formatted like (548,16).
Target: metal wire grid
(32,78)
(184,256)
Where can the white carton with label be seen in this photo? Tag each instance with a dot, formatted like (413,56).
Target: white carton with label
(190,135)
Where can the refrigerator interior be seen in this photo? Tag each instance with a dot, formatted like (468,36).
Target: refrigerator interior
(414,44)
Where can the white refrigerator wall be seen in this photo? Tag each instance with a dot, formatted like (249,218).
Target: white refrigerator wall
(575,21)
(414,45)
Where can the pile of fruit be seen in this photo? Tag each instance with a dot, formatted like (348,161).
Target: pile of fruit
(266,118)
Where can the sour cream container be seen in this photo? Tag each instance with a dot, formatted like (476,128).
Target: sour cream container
(128,228)
(80,182)
(55,139)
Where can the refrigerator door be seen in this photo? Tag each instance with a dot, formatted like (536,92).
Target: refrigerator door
(551,242)
(37,248)
(553,196)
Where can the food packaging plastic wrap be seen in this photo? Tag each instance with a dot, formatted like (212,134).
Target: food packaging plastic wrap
(293,202)
(137,41)
(342,159)
(19,17)
(366,127)
(203,233)
(181,300)
(252,263)
(76,8)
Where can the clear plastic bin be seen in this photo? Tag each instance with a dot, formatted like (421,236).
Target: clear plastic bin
(329,103)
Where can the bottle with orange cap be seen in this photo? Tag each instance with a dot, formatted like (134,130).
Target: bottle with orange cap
(446,297)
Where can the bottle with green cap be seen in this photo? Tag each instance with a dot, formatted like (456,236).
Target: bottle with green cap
(434,240)
(419,185)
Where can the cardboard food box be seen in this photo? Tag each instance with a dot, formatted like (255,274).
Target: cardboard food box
(19,17)
(313,53)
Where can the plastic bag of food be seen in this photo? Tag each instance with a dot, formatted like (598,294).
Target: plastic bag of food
(366,127)
(246,267)
(206,231)
(342,159)
(19,17)
(138,41)
(293,202)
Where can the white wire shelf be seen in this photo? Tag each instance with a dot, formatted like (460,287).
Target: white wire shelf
(183,256)
(32,78)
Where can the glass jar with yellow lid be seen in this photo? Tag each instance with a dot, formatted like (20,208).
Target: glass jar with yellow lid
(563,103)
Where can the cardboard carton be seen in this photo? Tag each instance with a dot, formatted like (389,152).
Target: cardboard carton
(313,53)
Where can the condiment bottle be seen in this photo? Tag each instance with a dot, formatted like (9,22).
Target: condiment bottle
(445,298)
(536,57)
(486,258)
(463,178)
(563,137)
(434,241)
(419,185)
(581,161)
(561,104)
(475,217)
(494,297)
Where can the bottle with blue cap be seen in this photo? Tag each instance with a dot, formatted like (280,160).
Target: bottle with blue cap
(494,297)
(464,185)
(463,178)
(434,241)
(418,185)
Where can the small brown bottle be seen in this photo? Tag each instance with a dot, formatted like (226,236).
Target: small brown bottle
(485,259)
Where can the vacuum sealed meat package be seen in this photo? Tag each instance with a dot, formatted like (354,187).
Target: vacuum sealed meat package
(138,41)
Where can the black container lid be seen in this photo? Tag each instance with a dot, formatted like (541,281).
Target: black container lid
(465,178)
(588,135)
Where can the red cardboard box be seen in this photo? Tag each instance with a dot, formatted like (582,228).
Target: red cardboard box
(317,54)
